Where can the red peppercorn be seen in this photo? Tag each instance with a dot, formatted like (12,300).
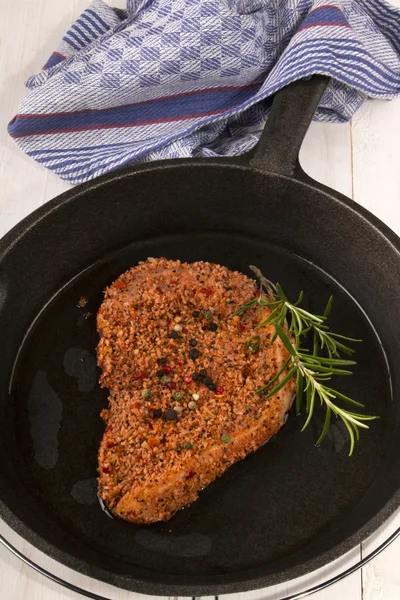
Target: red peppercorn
(242,327)
(166,369)
(106,470)
(206,291)
(188,379)
(171,385)
(138,376)
(220,390)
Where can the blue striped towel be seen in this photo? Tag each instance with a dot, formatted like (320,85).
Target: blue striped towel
(181,78)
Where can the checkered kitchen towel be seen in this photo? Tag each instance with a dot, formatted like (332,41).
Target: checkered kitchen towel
(180,78)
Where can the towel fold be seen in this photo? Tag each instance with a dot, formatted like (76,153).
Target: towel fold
(182,78)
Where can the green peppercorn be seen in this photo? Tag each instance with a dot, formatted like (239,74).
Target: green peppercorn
(187,446)
(147,394)
(208,314)
(178,396)
(225,438)
(166,379)
(254,344)
(253,348)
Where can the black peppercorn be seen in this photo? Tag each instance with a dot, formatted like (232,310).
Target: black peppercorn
(171,415)
(213,327)
(212,387)
(162,361)
(157,413)
(193,354)
(174,335)
(207,380)
(203,372)
(195,376)
(193,343)
(196,314)
(160,373)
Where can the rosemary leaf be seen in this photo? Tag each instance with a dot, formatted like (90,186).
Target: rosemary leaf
(325,427)
(278,374)
(280,384)
(299,391)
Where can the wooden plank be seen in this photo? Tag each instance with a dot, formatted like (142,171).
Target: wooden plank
(326,155)
(376,160)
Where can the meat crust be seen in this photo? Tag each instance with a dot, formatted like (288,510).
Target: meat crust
(182,378)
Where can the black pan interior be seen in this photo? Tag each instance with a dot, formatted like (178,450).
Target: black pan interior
(287,508)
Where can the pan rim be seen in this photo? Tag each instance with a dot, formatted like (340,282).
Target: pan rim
(240,581)
(300,177)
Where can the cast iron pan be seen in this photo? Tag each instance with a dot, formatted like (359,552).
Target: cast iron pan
(290,507)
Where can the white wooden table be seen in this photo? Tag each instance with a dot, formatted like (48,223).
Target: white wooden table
(360,159)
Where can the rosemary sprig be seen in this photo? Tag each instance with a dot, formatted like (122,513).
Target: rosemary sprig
(312,371)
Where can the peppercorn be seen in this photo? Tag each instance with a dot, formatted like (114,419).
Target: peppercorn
(162,361)
(213,327)
(192,405)
(193,354)
(160,373)
(178,328)
(212,387)
(166,379)
(253,345)
(187,446)
(173,335)
(220,390)
(147,394)
(178,395)
(208,314)
(195,376)
(207,380)
(253,348)
(196,314)
(167,370)
(157,413)
(171,414)
(225,438)
(203,372)
(193,343)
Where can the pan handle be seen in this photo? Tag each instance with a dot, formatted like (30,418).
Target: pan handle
(292,111)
